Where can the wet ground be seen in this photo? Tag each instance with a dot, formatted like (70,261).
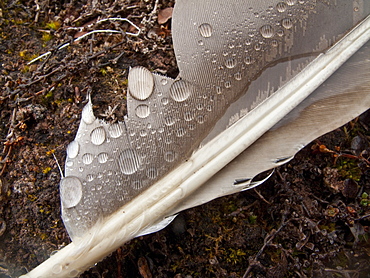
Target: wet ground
(310,219)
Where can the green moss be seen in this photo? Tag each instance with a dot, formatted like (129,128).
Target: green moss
(348,168)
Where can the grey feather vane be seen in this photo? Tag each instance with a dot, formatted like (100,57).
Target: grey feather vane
(257,82)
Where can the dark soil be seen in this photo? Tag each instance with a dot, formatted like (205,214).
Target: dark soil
(310,219)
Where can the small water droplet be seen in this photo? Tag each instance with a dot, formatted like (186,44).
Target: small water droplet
(248,42)
(87,158)
(227,84)
(137,185)
(238,76)
(287,23)
(230,63)
(73,149)
(218,90)
(200,42)
(280,33)
(281,7)
(248,60)
(128,161)
(180,91)
(90,177)
(200,119)
(188,116)
(205,30)
(143,133)
(140,83)
(98,136)
(209,108)
(267,31)
(169,156)
(164,81)
(102,157)
(291,2)
(142,111)
(115,130)
(199,106)
(152,173)
(180,132)
(70,191)
(164,101)
(169,121)
(274,43)
(231,45)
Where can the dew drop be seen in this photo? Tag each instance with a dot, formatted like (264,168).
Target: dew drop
(152,173)
(98,136)
(169,121)
(102,157)
(280,33)
(115,130)
(218,90)
(209,108)
(180,91)
(87,158)
(128,161)
(73,149)
(267,31)
(227,84)
(274,43)
(281,7)
(238,76)
(230,63)
(180,132)
(164,101)
(200,119)
(142,111)
(164,81)
(169,156)
(188,116)
(140,83)
(291,2)
(70,191)
(205,30)
(248,60)
(287,23)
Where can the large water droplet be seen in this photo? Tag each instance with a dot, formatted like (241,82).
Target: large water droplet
(169,156)
(267,31)
(142,111)
(230,63)
(97,136)
(115,130)
(205,30)
(70,191)
(73,149)
(140,83)
(128,161)
(287,23)
(281,7)
(102,157)
(87,158)
(180,91)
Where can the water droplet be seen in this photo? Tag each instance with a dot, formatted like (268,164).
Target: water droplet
(280,33)
(88,114)
(143,133)
(142,111)
(291,2)
(170,156)
(230,63)
(57,268)
(69,163)
(70,191)
(218,90)
(169,121)
(180,132)
(164,101)
(73,149)
(227,84)
(231,45)
(200,119)
(97,136)
(152,173)
(287,23)
(274,43)
(205,30)
(128,161)
(281,7)
(188,116)
(102,157)
(248,42)
(87,158)
(257,47)
(209,108)
(115,130)
(238,76)
(199,106)
(180,91)
(90,177)
(140,83)
(267,31)
(137,185)
(164,81)
(248,60)
(200,42)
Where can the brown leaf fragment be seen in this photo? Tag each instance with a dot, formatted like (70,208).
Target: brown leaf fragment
(164,15)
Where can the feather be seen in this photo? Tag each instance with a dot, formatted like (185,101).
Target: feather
(249,95)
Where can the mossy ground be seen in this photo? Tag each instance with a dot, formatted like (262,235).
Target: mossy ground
(305,221)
